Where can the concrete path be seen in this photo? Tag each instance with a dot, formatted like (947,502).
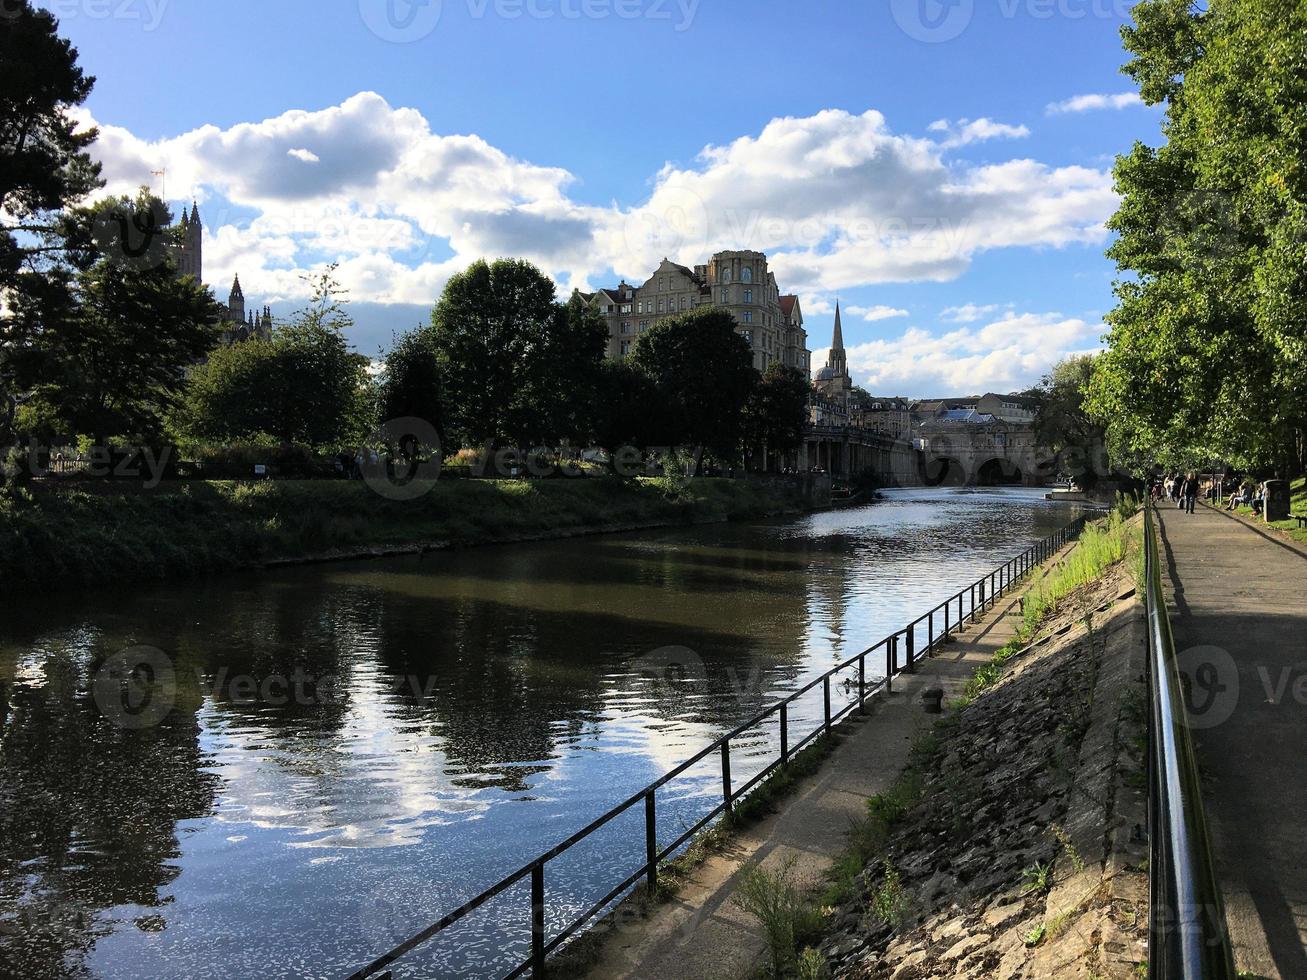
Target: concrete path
(1241,591)
(701,935)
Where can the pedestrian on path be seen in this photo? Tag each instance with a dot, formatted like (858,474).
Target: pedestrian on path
(1190,492)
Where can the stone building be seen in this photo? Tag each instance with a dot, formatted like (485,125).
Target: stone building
(188,253)
(738,281)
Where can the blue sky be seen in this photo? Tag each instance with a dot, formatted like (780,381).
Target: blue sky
(925,163)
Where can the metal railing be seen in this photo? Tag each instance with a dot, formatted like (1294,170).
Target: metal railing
(1186,930)
(901,651)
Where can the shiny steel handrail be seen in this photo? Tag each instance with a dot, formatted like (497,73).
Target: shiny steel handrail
(1187,938)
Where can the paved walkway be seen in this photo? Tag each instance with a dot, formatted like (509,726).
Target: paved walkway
(701,935)
(1245,593)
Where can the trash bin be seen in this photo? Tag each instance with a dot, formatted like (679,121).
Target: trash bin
(1276,507)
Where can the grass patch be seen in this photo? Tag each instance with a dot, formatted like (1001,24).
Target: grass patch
(781,906)
(97,533)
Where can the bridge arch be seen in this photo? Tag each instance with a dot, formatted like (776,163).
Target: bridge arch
(999,472)
(943,471)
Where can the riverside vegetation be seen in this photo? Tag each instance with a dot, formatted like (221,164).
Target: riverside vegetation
(946,811)
(79,537)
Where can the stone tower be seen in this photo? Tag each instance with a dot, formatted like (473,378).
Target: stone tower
(190,250)
(236,303)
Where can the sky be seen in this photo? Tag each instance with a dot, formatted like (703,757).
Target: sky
(943,169)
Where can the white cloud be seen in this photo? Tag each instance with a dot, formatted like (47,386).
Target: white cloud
(967,313)
(1008,354)
(967,131)
(836,199)
(1088,103)
(874,313)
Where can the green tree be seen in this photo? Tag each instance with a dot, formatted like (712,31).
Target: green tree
(1209,337)
(44,164)
(703,372)
(517,366)
(105,351)
(304,385)
(411,385)
(44,167)
(626,409)
(777,410)
(1063,424)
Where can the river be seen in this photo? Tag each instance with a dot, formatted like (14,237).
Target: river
(349,751)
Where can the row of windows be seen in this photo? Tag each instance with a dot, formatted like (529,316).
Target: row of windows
(647,306)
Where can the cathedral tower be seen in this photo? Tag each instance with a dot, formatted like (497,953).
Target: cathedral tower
(236,303)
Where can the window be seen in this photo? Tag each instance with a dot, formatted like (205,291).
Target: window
(626,308)
(626,326)
(746,274)
(748,337)
(748,295)
(684,301)
(726,296)
(626,347)
(748,316)
(644,325)
(724,274)
(662,284)
(660,306)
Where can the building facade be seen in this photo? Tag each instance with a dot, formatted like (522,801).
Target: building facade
(238,324)
(738,281)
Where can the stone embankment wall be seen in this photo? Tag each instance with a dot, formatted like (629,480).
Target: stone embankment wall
(1026,853)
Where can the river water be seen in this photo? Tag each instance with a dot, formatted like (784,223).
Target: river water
(349,751)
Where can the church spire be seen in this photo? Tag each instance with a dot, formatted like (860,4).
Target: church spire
(837,342)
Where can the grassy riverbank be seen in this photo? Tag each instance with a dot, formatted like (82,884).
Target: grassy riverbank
(65,536)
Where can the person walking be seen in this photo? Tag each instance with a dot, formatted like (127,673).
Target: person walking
(1190,492)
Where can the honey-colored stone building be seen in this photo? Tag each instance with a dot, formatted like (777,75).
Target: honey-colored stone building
(739,281)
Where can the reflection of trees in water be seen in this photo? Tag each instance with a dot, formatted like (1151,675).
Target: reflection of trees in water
(88,817)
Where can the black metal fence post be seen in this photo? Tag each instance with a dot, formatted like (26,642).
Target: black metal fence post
(947,606)
(889,666)
(726,777)
(930,632)
(538,920)
(910,647)
(825,693)
(650,844)
(785,731)
(973,603)
(862,684)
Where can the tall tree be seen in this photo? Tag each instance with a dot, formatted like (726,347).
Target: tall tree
(516,364)
(703,372)
(411,385)
(776,411)
(1209,337)
(1063,424)
(44,166)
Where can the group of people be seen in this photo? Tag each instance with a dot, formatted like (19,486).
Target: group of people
(1182,488)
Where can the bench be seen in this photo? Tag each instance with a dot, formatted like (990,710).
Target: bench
(1300,518)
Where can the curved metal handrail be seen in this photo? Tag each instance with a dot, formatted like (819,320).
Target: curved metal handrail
(1187,938)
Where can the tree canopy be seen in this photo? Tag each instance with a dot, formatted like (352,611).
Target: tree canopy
(702,370)
(1208,342)
(304,385)
(516,365)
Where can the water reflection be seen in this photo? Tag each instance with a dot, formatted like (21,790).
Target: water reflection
(355,749)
